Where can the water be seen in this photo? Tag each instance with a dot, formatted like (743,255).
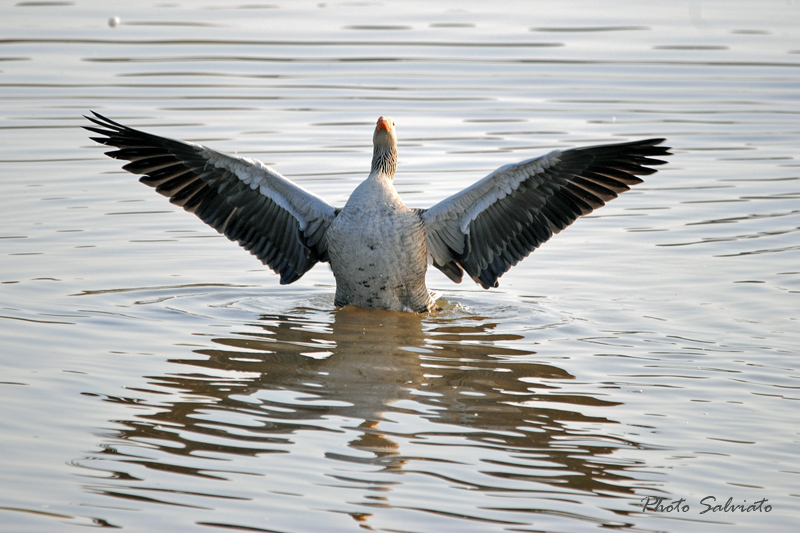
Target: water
(156,377)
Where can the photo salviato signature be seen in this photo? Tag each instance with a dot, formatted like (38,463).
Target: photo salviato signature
(709,504)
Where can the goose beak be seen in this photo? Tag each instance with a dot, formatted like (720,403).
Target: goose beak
(385,123)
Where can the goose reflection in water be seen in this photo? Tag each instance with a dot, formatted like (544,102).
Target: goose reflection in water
(259,392)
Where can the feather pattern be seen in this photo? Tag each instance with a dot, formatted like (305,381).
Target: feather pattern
(491,226)
(276,220)
(378,248)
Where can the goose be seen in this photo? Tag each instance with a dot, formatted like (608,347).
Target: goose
(378,248)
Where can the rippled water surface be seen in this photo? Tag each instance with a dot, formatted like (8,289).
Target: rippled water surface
(157,377)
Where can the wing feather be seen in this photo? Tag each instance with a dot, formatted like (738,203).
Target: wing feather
(276,220)
(492,225)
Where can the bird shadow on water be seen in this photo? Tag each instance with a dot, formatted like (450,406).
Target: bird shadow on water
(455,380)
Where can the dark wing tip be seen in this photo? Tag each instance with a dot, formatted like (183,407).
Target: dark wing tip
(645,149)
(217,196)
(108,128)
(105,122)
(583,180)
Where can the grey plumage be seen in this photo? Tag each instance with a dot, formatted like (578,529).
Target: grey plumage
(491,226)
(378,248)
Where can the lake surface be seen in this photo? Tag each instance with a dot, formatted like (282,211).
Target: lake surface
(157,377)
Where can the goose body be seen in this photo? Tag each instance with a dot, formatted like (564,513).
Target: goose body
(378,248)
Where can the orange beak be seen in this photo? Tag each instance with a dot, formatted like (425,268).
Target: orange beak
(384,124)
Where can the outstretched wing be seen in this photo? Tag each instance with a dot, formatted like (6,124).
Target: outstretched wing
(491,226)
(274,219)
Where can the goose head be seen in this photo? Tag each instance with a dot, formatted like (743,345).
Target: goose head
(384,154)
